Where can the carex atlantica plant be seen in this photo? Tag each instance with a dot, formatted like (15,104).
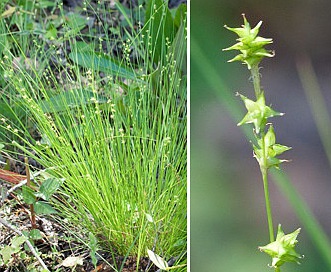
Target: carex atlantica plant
(266,149)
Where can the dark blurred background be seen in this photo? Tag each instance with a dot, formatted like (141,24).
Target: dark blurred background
(228,220)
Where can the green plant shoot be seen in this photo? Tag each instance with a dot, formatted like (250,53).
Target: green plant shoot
(266,150)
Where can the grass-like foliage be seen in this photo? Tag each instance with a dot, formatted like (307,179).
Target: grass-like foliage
(112,127)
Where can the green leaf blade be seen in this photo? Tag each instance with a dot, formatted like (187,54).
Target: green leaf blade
(29,196)
(41,207)
(102,62)
(48,188)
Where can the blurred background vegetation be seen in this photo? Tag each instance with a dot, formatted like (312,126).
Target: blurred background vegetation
(228,220)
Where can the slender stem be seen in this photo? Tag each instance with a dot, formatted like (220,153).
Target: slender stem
(267,203)
(263,165)
(264,172)
(256,80)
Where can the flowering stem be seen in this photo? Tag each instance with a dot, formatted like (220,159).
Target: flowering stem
(263,166)
(266,150)
(256,80)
